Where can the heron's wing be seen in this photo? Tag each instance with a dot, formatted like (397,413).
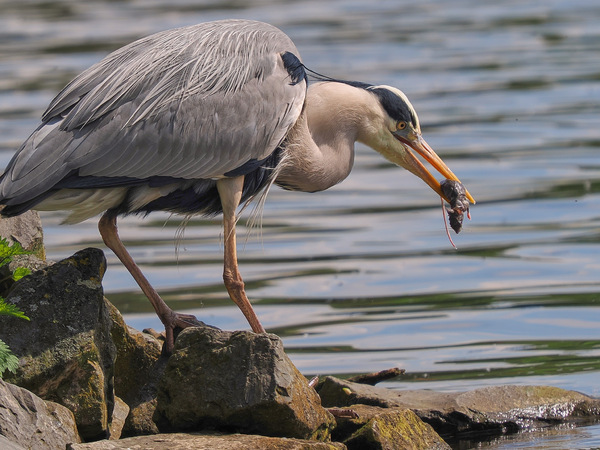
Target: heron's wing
(196,102)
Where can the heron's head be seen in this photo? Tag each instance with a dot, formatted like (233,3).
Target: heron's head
(395,131)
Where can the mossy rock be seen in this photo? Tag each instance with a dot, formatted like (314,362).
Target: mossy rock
(389,429)
(238,381)
(65,350)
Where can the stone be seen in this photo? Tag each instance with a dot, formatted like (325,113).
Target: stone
(30,422)
(138,367)
(237,380)
(65,351)
(118,418)
(386,428)
(140,420)
(495,409)
(193,441)
(335,392)
(26,229)
(137,355)
(5,444)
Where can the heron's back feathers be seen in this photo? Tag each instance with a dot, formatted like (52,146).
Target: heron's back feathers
(164,69)
(190,104)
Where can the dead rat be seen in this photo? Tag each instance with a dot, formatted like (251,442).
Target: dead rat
(459,205)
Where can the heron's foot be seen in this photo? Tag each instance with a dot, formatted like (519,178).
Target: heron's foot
(174,324)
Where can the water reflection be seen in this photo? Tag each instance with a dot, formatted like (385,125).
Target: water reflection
(362,277)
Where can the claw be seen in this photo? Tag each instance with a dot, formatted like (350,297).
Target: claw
(174,324)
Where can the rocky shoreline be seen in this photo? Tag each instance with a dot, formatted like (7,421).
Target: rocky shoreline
(88,381)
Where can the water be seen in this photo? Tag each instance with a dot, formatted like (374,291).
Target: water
(362,277)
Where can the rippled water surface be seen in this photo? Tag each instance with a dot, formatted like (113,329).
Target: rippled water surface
(362,277)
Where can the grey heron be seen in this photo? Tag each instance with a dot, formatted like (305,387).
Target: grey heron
(198,120)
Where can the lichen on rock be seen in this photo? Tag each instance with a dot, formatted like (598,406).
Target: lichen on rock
(241,381)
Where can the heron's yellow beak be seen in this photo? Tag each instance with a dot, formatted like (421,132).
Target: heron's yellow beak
(411,163)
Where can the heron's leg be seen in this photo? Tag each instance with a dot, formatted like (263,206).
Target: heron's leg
(230,192)
(172,321)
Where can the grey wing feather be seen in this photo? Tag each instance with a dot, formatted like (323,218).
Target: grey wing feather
(195,102)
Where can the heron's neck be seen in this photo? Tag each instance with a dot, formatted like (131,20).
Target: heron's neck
(320,147)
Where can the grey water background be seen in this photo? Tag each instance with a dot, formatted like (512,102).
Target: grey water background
(362,277)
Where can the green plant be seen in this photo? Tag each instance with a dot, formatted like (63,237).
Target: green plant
(8,252)
(8,361)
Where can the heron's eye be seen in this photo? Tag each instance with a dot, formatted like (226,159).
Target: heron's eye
(401,125)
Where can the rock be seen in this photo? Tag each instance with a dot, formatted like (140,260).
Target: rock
(240,380)
(335,392)
(138,367)
(514,408)
(28,421)
(496,409)
(26,229)
(137,355)
(118,418)
(386,428)
(181,441)
(5,444)
(31,262)
(140,419)
(65,350)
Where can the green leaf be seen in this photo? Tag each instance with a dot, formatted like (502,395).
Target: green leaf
(7,251)
(11,310)
(8,361)
(20,272)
